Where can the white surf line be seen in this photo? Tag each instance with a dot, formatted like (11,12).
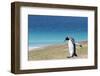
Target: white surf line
(31,48)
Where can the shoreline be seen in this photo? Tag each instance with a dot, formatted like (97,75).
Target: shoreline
(51,45)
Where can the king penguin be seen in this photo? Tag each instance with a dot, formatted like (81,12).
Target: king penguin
(71,47)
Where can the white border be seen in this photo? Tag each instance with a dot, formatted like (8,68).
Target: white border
(25,64)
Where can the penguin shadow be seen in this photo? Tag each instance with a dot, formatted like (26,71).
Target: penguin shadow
(70,57)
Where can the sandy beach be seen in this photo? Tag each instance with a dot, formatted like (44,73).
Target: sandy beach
(58,51)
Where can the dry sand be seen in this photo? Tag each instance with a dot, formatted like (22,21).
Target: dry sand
(57,52)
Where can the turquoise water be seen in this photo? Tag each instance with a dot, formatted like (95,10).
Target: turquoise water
(48,30)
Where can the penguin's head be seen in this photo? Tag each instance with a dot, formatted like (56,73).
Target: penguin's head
(67,38)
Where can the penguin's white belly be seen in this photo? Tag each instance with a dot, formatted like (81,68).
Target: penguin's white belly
(71,47)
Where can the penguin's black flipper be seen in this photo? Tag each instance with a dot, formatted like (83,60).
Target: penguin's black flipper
(81,46)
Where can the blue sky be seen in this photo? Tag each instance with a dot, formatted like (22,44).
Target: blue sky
(50,29)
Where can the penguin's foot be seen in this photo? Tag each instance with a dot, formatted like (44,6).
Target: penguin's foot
(74,55)
(69,57)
